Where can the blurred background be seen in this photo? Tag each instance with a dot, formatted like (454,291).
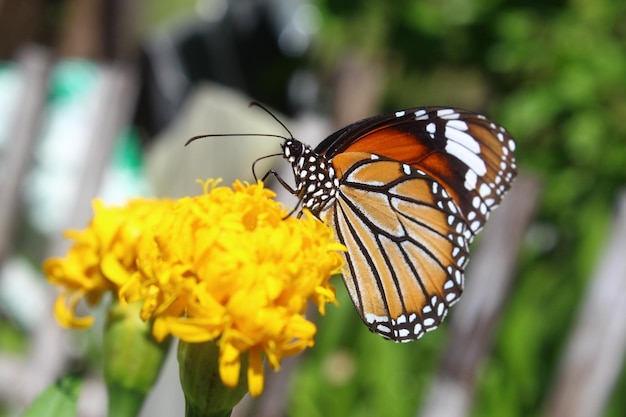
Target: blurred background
(97,98)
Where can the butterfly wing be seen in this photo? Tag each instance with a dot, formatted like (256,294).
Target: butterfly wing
(407,244)
(466,153)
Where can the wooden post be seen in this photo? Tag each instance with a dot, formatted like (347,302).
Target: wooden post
(34,64)
(594,355)
(474,319)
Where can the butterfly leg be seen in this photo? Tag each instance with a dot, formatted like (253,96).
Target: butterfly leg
(287,187)
(280,180)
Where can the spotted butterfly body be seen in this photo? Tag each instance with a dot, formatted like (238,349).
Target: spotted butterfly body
(406,193)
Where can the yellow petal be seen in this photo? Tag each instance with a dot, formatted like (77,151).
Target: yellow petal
(65,314)
(230,365)
(255,372)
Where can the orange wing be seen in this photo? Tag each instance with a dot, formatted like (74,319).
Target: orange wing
(407,244)
(469,155)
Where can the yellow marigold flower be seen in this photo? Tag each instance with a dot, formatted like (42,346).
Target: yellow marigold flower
(229,266)
(103,256)
(226,267)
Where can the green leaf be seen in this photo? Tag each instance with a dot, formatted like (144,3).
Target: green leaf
(58,400)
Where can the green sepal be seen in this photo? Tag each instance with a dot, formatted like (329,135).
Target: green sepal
(205,393)
(132,359)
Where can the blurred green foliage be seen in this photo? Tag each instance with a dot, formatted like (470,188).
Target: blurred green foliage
(553,73)
(59,399)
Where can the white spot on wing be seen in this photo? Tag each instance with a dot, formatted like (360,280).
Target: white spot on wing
(421,115)
(383,329)
(462,138)
(447,114)
(400,113)
(470,180)
(440,309)
(473,161)
(373,318)
(458,124)
(458,277)
(484,190)
(511,144)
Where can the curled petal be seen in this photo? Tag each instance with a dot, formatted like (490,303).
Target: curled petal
(64,311)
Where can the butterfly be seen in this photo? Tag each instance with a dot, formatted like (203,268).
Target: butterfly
(406,193)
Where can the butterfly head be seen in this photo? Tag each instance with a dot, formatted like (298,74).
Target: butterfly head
(314,176)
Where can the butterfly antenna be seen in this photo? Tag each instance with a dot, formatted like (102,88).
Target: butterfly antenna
(214,135)
(257,104)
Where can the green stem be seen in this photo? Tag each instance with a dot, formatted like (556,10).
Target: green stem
(191,411)
(124,402)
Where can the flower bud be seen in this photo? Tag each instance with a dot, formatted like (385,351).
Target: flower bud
(132,359)
(205,393)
